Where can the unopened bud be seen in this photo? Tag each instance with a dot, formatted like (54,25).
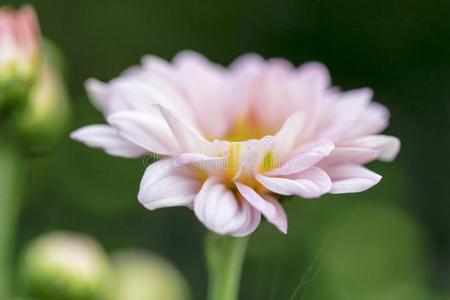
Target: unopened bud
(65,266)
(45,117)
(143,276)
(19,53)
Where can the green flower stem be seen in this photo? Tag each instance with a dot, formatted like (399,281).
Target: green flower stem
(225,257)
(11,189)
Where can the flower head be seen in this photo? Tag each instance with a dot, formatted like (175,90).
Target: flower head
(19,48)
(232,139)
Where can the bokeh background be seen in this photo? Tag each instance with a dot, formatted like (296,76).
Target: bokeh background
(392,242)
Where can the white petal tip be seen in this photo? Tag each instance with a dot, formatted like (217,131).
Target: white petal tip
(391,151)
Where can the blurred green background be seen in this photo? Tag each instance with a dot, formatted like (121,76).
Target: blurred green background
(392,242)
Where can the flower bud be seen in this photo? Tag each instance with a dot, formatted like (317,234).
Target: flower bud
(45,117)
(143,276)
(19,53)
(65,266)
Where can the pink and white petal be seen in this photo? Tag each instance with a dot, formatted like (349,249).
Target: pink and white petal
(158,65)
(342,155)
(142,92)
(351,178)
(270,94)
(343,113)
(97,92)
(388,146)
(288,135)
(207,87)
(252,219)
(149,131)
(247,64)
(165,184)
(107,138)
(372,121)
(310,183)
(316,73)
(303,160)
(201,162)
(269,207)
(219,210)
(131,95)
(249,156)
(188,138)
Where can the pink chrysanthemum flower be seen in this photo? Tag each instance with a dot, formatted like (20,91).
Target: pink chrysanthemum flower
(232,139)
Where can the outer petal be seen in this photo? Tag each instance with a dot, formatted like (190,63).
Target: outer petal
(269,207)
(207,87)
(388,146)
(142,91)
(341,155)
(372,121)
(189,139)
(108,139)
(167,184)
(303,160)
(343,113)
(146,130)
(247,64)
(311,183)
(219,210)
(351,178)
(289,133)
(201,162)
(314,74)
(97,93)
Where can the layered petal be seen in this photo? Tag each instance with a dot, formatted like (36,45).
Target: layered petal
(351,178)
(268,206)
(97,91)
(310,183)
(303,160)
(149,131)
(107,138)
(207,88)
(166,184)
(388,146)
(342,155)
(189,139)
(220,211)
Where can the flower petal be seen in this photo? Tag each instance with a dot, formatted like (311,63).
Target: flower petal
(189,139)
(388,146)
(342,113)
(355,155)
(303,160)
(373,120)
(351,178)
(108,139)
(219,210)
(149,131)
(317,73)
(167,184)
(97,92)
(288,135)
(269,207)
(206,86)
(310,183)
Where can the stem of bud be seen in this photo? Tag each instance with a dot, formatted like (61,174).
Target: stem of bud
(12,173)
